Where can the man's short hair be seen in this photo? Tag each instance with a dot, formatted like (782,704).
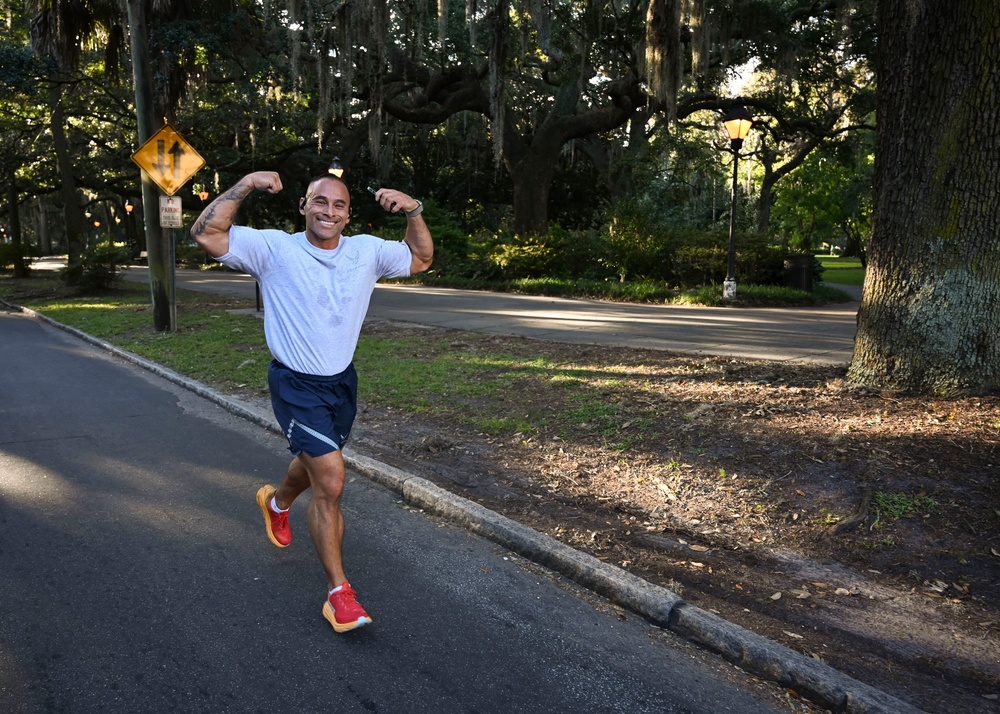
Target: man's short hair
(325,177)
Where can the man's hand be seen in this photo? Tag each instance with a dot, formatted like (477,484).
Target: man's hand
(395,201)
(211,230)
(267,181)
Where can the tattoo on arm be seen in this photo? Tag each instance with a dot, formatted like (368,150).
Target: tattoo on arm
(237,193)
(234,195)
(201,224)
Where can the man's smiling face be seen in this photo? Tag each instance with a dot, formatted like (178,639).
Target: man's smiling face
(327,208)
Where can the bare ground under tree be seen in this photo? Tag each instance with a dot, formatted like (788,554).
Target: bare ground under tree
(858,526)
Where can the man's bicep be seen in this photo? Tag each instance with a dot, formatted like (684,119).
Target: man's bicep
(213,241)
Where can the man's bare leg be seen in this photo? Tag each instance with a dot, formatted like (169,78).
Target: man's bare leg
(296,481)
(326,475)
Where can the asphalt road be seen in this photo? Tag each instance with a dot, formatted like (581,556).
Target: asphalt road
(820,335)
(136,576)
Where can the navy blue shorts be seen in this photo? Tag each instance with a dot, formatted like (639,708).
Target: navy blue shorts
(315,413)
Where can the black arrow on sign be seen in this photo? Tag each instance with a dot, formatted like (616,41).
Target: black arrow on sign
(161,164)
(177,151)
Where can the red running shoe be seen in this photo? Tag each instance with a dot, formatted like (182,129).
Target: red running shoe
(342,610)
(278,529)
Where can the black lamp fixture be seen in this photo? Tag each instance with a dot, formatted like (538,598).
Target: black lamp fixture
(336,168)
(737,122)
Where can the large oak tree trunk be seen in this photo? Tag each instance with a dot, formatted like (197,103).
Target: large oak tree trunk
(930,316)
(531,177)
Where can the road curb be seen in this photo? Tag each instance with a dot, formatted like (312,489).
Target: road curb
(808,677)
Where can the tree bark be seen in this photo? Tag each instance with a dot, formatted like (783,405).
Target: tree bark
(72,213)
(532,161)
(531,177)
(14,221)
(930,314)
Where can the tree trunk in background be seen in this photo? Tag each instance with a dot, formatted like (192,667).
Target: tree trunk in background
(14,221)
(930,314)
(531,176)
(44,236)
(72,213)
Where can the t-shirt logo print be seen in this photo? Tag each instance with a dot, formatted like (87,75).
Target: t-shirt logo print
(353,260)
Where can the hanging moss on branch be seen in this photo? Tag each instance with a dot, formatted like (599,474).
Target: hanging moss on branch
(663,52)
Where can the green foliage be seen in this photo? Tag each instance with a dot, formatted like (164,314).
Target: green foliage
(827,200)
(531,256)
(901,505)
(189,254)
(703,259)
(527,257)
(451,243)
(763,296)
(637,245)
(576,262)
(19,70)
(642,201)
(99,268)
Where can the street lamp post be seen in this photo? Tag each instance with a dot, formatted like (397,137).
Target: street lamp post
(737,122)
(133,244)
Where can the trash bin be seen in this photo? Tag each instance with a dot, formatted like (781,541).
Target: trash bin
(799,271)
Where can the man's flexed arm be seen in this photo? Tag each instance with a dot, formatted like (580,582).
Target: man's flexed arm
(418,235)
(211,230)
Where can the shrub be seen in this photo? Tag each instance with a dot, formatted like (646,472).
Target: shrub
(190,255)
(633,248)
(703,260)
(451,243)
(637,247)
(10,254)
(700,265)
(99,268)
(530,256)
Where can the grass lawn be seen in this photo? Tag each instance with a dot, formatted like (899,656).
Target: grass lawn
(842,271)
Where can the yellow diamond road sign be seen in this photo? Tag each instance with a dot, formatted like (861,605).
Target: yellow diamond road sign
(168,159)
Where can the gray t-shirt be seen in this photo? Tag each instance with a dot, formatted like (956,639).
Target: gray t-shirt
(315,300)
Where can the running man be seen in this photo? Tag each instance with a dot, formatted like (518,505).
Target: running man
(316,287)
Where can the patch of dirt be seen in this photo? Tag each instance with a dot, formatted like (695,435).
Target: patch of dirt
(857,526)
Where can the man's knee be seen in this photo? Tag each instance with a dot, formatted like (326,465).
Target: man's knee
(327,475)
(328,489)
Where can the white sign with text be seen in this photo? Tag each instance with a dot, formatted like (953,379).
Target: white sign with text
(171,213)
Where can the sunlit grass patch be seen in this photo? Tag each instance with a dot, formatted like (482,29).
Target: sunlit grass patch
(902,505)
